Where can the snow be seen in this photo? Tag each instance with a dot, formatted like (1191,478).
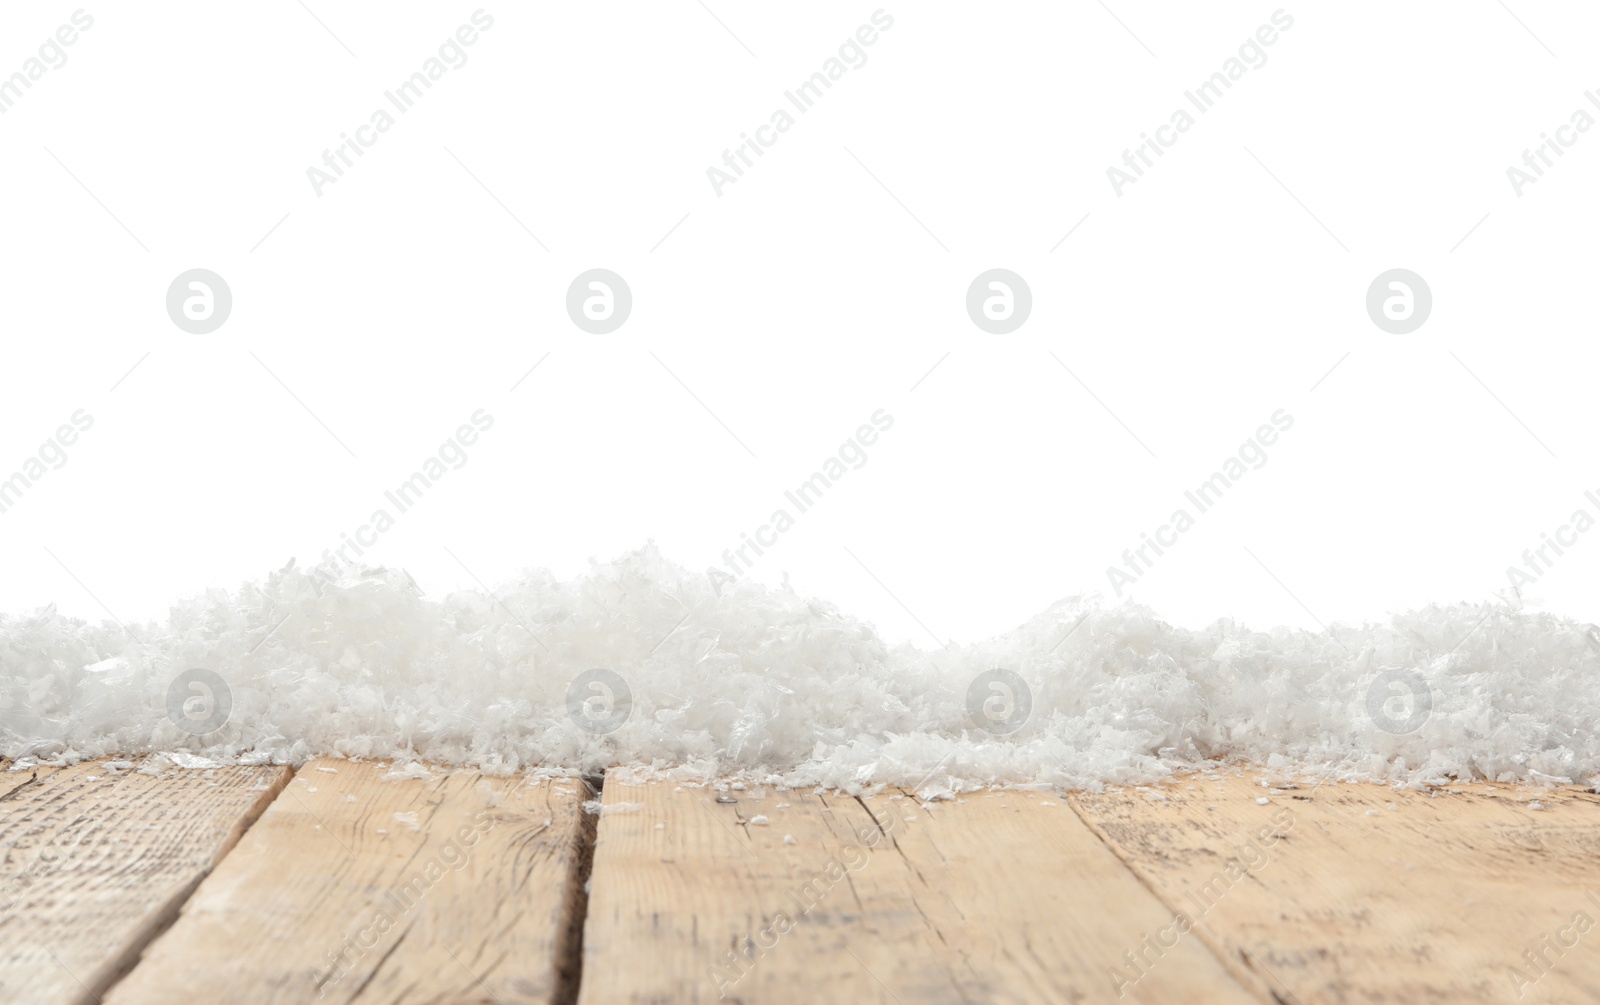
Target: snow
(777,688)
(595,807)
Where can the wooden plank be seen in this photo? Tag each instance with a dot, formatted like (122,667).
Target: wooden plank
(14,781)
(1363,893)
(1004,897)
(357,888)
(94,862)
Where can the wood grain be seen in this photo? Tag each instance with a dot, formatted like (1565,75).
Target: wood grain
(14,781)
(1001,898)
(1362,893)
(355,888)
(94,863)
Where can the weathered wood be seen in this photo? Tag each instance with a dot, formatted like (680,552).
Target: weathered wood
(12,783)
(94,863)
(357,888)
(1363,893)
(1209,889)
(1002,897)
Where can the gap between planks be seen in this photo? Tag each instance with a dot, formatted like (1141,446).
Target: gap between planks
(569,952)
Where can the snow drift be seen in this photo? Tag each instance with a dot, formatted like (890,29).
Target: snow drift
(764,682)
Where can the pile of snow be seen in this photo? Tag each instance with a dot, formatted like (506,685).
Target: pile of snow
(774,686)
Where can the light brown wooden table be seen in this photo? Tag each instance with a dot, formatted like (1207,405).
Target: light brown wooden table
(343,882)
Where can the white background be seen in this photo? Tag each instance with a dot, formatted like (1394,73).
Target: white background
(819,288)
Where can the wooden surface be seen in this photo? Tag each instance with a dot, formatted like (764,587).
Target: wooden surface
(354,888)
(13,783)
(1372,894)
(1002,897)
(94,862)
(456,888)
